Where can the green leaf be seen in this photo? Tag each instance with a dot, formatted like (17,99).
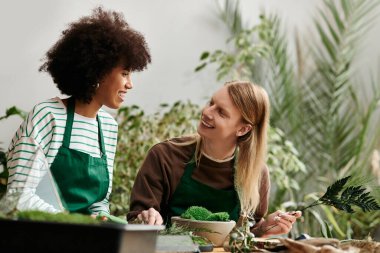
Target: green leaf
(200,67)
(328,230)
(333,221)
(204,55)
(336,187)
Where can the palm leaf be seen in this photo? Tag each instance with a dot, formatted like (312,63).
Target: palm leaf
(335,128)
(230,14)
(333,221)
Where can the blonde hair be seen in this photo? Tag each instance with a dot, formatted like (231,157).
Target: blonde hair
(253,103)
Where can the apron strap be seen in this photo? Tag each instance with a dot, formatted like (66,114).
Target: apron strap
(100,136)
(69,126)
(69,122)
(190,167)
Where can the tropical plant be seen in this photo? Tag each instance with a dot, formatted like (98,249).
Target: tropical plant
(315,93)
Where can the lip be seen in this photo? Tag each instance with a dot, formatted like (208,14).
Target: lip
(121,95)
(206,124)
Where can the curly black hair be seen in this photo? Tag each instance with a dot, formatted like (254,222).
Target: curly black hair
(90,48)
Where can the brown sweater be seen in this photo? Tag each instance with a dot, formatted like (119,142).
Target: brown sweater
(163,168)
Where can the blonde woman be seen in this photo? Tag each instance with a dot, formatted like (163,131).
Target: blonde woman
(221,168)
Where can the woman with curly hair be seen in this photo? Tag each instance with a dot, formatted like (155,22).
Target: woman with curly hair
(91,63)
(221,168)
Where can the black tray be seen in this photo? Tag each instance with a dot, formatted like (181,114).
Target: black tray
(33,236)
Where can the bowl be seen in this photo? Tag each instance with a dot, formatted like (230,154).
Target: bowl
(219,230)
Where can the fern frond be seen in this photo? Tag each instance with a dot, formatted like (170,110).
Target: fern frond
(344,197)
(336,187)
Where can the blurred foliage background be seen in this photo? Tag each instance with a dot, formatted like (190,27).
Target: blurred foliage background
(318,100)
(324,124)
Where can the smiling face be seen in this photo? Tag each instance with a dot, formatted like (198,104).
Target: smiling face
(113,88)
(221,119)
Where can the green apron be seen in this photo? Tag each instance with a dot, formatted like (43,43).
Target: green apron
(82,179)
(191,192)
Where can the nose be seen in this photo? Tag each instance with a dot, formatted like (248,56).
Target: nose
(207,112)
(129,84)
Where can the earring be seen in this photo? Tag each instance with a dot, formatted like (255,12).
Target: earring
(96,86)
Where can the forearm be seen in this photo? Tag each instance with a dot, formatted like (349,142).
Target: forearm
(26,199)
(102,206)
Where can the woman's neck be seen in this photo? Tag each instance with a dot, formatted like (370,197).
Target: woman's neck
(218,151)
(89,110)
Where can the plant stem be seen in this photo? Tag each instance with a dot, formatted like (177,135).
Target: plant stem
(315,203)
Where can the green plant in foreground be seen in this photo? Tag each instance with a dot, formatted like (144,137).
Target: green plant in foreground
(196,213)
(343,197)
(74,218)
(175,229)
(241,238)
(202,214)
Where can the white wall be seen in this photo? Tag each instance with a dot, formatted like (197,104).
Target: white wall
(177,31)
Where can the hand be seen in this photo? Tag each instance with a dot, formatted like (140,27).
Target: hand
(95,216)
(150,217)
(279,222)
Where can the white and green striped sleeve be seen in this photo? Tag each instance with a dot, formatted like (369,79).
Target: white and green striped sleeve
(27,165)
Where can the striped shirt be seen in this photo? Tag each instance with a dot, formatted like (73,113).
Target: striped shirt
(36,143)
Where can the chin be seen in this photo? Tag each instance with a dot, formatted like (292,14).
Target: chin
(201,133)
(113,105)
(199,130)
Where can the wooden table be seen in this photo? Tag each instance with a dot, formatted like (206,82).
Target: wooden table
(218,250)
(178,244)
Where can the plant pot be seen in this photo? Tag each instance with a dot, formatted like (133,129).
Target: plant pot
(219,230)
(33,236)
